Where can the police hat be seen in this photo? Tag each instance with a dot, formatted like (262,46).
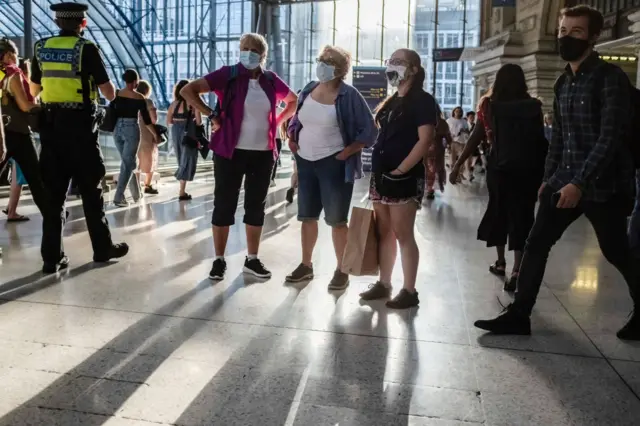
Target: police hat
(70,10)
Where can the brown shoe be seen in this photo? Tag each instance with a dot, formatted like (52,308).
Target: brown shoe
(376,291)
(404,300)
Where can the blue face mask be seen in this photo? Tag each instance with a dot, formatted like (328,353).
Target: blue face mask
(325,72)
(250,60)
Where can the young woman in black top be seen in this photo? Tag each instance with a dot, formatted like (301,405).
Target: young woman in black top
(129,104)
(407,123)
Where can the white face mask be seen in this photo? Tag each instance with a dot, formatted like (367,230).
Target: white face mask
(250,60)
(395,74)
(325,72)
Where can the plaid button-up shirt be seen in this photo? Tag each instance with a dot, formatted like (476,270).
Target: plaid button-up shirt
(591,117)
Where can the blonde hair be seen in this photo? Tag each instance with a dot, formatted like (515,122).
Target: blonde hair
(259,42)
(144,88)
(340,56)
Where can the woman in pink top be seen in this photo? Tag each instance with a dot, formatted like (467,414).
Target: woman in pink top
(245,123)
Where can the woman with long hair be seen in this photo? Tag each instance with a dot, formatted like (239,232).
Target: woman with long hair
(182,117)
(129,104)
(434,160)
(407,122)
(148,152)
(512,122)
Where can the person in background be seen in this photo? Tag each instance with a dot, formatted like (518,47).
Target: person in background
(512,183)
(332,125)
(18,103)
(459,129)
(17,181)
(129,106)
(148,151)
(548,126)
(476,157)
(244,144)
(407,122)
(592,105)
(435,158)
(182,118)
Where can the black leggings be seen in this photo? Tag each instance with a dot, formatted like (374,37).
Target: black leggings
(21,148)
(256,168)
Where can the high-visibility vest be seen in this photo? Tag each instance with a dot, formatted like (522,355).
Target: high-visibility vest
(60,60)
(2,75)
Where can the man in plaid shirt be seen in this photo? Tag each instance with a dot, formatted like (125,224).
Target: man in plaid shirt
(588,171)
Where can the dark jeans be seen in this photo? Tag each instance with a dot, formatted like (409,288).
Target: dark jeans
(20,147)
(70,149)
(609,220)
(255,167)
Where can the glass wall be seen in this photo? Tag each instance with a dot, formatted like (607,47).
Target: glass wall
(169,40)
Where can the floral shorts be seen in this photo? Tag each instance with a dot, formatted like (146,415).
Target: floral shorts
(375,197)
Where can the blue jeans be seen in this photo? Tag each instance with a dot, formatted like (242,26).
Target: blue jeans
(634,224)
(321,185)
(127,139)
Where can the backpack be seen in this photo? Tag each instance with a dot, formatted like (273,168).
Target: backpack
(230,88)
(517,131)
(634,111)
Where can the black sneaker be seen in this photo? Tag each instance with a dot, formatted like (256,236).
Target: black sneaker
(510,321)
(290,193)
(256,268)
(301,273)
(52,268)
(340,281)
(218,270)
(431,195)
(404,300)
(150,190)
(631,331)
(116,251)
(185,197)
(376,291)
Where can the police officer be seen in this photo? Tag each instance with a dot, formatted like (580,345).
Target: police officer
(67,71)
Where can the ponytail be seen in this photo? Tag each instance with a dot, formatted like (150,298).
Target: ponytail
(418,79)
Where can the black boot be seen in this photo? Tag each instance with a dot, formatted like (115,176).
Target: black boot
(510,321)
(631,331)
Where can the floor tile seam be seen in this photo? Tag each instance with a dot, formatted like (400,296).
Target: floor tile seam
(501,348)
(281,327)
(394,413)
(90,413)
(469,337)
(616,372)
(213,320)
(316,405)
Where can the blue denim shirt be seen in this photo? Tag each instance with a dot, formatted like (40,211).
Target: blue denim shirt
(354,119)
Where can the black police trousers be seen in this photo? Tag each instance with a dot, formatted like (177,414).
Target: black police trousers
(20,147)
(70,150)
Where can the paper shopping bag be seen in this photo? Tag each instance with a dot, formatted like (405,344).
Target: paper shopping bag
(361,254)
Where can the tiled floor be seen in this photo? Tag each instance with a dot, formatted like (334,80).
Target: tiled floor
(150,340)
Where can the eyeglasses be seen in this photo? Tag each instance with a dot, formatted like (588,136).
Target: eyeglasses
(396,61)
(328,61)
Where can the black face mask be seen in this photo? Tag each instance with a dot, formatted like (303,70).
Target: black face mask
(572,48)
